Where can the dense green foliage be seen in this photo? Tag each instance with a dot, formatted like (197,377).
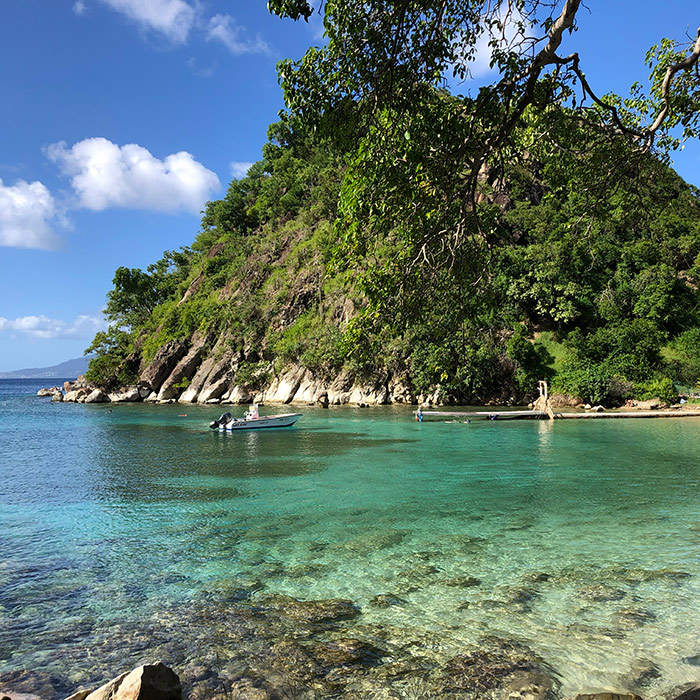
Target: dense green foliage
(393,229)
(615,293)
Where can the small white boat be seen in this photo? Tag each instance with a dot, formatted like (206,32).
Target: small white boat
(253,421)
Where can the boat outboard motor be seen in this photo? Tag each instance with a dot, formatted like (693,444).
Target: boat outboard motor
(223,420)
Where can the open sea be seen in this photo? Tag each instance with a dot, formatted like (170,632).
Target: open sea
(579,539)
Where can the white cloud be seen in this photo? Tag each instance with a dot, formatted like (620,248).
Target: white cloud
(224,28)
(315,22)
(239,169)
(104,174)
(481,63)
(176,19)
(507,36)
(44,328)
(206,72)
(25,211)
(79,7)
(172,18)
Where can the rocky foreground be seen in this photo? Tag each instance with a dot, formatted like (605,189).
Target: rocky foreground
(159,682)
(247,646)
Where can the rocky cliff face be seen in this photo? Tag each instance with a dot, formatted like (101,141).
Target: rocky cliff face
(187,373)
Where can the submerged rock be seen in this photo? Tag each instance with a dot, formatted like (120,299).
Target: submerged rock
(31,683)
(608,696)
(529,686)
(292,660)
(327,610)
(373,541)
(386,600)
(304,570)
(600,593)
(635,576)
(461,582)
(616,575)
(537,577)
(510,667)
(645,675)
(346,652)
(634,617)
(18,696)
(417,573)
(253,687)
(690,691)
(521,596)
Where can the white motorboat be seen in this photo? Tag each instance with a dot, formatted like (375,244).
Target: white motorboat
(253,421)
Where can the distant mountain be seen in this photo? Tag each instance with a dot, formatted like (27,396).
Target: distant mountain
(66,370)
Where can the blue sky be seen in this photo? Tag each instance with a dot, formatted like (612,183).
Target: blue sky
(120,118)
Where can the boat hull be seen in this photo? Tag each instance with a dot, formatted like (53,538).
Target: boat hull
(282,421)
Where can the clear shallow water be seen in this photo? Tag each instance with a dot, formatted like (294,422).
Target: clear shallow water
(582,539)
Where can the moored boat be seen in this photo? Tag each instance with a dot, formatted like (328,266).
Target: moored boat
(253,421)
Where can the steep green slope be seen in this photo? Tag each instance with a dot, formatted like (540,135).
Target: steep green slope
(278,282)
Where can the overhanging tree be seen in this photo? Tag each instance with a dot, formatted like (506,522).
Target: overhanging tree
(420,200)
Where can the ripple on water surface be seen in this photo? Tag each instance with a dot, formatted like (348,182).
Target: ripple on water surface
(578,539)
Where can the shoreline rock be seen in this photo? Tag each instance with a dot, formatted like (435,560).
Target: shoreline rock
(147,682)
(49,391)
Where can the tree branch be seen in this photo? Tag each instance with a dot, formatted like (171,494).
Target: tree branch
(671,71)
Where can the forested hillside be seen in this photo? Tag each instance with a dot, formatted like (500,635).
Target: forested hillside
(584,269)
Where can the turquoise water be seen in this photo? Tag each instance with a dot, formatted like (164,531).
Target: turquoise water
(581,539)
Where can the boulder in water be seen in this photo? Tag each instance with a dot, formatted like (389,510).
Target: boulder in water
(125,395)
(690,692)
(30,685)
(312,611)
(50,391)
(97,396)
(148,682)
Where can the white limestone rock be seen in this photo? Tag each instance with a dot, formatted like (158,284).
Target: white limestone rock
(78,395)
(126,394)
(184,369)
(50,391)
(147,682)
(238,395)
(97,396)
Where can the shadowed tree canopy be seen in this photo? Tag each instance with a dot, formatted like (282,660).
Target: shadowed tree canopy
(383,53)
(426,165)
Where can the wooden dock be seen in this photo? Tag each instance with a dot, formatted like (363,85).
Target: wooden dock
(506,414)
(542,410)
(487,415)
(666,413)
